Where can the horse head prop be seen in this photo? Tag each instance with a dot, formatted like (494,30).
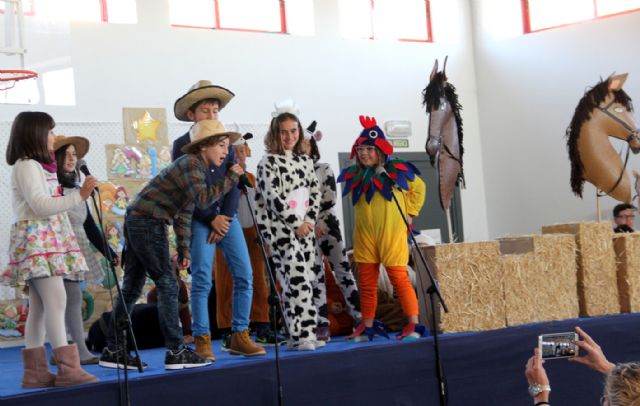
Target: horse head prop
(444,142)
(604,111)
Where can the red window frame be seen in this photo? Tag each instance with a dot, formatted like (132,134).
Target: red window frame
(216,20)
(30,11)
(428,22)
(526,17)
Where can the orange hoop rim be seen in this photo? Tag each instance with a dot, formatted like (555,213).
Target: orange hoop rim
(19,74)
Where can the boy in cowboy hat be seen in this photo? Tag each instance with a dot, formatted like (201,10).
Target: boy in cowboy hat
(170,198)
(217,225)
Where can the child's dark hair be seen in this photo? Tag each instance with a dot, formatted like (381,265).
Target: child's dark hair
(29,137)
(272,140)
(66,179)
(315,152)
(197,104)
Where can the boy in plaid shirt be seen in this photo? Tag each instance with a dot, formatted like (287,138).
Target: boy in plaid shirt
(169,198)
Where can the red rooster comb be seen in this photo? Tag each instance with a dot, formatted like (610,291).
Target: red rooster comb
(367,122)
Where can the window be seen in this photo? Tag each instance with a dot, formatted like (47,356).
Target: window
(112,11)
(27,7)
(292,16)
(543,14)
(405,20)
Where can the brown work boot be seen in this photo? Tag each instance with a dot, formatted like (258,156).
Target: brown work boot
(203,347)
(69,370)
(36,372)
(241,344)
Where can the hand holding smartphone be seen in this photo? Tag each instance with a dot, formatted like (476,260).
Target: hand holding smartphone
(558,345)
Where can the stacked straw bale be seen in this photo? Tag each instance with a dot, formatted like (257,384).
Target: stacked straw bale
(540,278)
(597,279)
(627,247)
(470,279)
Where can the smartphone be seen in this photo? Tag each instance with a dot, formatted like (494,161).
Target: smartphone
(558,345)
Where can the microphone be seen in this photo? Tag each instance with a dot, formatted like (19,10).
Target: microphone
(82,167)
(243,181)
(380,171)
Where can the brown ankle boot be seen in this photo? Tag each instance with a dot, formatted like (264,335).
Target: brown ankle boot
(69,370)
(241,344)
(203,347)
(36,371)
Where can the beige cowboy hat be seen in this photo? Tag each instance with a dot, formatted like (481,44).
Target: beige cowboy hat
(205,129)
(203,89)
(81,144)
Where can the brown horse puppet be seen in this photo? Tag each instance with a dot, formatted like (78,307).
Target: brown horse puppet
(444,143)
(604,111)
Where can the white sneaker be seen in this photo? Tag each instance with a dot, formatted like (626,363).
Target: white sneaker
(301,346)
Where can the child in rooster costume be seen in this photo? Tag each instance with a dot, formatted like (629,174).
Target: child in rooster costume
(380,235)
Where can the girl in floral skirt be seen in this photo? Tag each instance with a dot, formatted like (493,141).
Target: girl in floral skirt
(43,249)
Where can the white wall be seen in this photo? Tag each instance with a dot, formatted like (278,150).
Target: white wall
(529,86)
(333,80)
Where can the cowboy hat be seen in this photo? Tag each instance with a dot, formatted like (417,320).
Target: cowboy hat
(81,144)
(205,129)
(203,89)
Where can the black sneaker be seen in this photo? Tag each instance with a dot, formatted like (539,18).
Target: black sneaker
(115,359)
(184,358)
(226,342)
(266,336)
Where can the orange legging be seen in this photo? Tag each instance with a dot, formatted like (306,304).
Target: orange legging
(401,285)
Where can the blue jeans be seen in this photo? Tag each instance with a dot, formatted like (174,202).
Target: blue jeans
(236,255)
(147,253)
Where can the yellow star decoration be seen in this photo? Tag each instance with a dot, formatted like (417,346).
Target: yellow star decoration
(146,127)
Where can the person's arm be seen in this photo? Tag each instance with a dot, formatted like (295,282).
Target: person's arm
(594,357)
(182,228)
(328,195)
(314,194)
(95,236)
(29,178)
(415,196)
(198,191)
(536,375)
(177,146)
(229,203)
(269,185)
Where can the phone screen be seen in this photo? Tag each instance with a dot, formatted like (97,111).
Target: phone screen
(558,345)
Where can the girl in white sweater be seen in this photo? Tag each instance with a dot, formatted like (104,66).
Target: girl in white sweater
(43,249)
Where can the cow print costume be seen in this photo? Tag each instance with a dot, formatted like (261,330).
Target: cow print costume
(331,244)
(278,217)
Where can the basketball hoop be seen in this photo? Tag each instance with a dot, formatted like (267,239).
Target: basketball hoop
(8,78)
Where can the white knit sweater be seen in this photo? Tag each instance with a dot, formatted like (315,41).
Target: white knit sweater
(32,192)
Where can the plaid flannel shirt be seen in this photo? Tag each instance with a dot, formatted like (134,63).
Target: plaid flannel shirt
(176,191)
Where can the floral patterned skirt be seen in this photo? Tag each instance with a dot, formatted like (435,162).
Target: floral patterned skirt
(43,248)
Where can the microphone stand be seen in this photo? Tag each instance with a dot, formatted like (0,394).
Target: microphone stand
(432,291)
(124,325)
(274,297)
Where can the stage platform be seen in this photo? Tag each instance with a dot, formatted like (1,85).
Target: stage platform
(485,368)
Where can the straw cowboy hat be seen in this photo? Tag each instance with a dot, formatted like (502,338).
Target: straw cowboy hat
(81,144)
(205,129)
(203,89)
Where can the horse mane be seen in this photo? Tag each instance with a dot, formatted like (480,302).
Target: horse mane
(591,100)
(431,96)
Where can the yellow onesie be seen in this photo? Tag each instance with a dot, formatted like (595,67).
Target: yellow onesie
(380,235)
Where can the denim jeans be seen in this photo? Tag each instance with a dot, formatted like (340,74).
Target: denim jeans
(236,255)
(147,253)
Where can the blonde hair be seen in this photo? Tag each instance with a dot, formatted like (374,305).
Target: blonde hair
(272,141)
(622,385)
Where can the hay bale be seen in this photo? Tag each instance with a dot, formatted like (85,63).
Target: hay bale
(540,278)
(596,264)
(470,280)
(627,248)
